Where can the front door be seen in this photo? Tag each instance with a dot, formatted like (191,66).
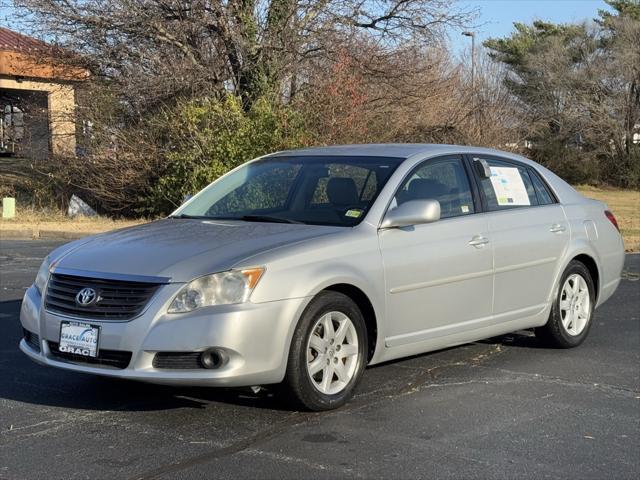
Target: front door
(438,275)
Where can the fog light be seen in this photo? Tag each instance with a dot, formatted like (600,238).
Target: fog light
(211,359)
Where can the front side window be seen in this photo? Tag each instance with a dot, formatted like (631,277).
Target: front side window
(509,186)
(444,180)
(337,190)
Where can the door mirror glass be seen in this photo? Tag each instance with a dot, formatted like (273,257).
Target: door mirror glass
(413,212)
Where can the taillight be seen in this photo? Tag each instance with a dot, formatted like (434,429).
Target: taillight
(612,219)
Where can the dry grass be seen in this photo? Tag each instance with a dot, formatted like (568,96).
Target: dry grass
(625,205)
(56,221)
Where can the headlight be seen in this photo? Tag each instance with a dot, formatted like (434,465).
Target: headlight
(223,288)
(43,275)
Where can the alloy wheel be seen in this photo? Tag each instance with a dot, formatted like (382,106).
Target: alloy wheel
(332,353)
(575,304)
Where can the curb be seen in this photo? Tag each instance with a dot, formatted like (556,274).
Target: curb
(37,234)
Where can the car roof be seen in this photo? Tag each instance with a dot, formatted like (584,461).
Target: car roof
(396,150)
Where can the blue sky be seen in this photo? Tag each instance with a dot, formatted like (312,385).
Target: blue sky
(497,16)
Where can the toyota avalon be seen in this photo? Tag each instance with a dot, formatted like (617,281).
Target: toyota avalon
(300,268)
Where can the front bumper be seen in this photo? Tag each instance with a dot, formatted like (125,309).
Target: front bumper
(254,337)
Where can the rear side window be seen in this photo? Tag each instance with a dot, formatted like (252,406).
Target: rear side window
(444,180)
(509,186)
(542,191)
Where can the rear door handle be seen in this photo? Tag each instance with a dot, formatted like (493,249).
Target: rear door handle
(557,228)
(478,241)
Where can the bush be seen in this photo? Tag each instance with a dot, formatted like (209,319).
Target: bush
(623,170)
(113,181)
(572,164)
(205,139)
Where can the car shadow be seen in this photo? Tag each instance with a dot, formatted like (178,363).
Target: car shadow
(523,339)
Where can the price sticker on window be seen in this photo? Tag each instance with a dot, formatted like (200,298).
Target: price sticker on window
(509,187)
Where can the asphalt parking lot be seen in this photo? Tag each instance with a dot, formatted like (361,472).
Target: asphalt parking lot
(502,408)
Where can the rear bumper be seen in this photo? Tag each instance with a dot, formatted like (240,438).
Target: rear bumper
(612,266)
(255,339)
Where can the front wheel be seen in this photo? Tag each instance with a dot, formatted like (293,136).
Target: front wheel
(328,353)
(571,314)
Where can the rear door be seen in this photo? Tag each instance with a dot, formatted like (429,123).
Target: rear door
(529,233)
(437,275)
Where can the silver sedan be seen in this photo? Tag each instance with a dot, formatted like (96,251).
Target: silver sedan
(302,267)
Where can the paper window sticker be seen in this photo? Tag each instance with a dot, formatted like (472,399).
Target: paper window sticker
(509,187)
(465,209)
(353,213)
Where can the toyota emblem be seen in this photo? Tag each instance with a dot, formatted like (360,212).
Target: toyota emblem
(87,296)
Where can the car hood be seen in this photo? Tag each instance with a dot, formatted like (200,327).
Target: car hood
(180,249)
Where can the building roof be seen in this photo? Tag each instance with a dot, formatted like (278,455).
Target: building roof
(28,57)
(17,42)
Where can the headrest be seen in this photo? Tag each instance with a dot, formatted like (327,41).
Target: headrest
(342,191)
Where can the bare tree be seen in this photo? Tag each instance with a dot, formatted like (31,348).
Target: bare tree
(158,49)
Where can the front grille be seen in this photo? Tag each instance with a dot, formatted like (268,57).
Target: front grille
(108,358)
(32,339)
(177,360)
(117,299)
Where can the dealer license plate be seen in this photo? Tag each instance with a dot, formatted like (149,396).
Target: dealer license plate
(79,338)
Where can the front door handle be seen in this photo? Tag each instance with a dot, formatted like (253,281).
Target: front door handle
(557,228)
(478,241)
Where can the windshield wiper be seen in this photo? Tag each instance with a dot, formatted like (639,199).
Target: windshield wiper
(266,218)
(246,218)
(184,215)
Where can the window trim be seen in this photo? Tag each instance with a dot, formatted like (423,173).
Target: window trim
(545,184)
(515,163)
(418,166)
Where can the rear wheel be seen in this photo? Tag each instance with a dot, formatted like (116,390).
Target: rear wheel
(571,314)
(328,353)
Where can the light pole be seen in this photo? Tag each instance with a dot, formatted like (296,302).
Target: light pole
(473,56)
(473,72)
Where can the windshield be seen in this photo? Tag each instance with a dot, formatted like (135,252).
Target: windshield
(335,190)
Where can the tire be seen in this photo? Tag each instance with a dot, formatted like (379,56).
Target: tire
(314,357)
(571,314)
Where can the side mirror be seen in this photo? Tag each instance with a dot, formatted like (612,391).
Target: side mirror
(413,212)
(482,167)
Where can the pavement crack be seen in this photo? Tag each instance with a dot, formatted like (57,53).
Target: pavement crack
(560,380)
(424,376)
(291,421)
(495,349)
(279,457)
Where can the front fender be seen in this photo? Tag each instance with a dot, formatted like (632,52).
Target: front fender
(306,270)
